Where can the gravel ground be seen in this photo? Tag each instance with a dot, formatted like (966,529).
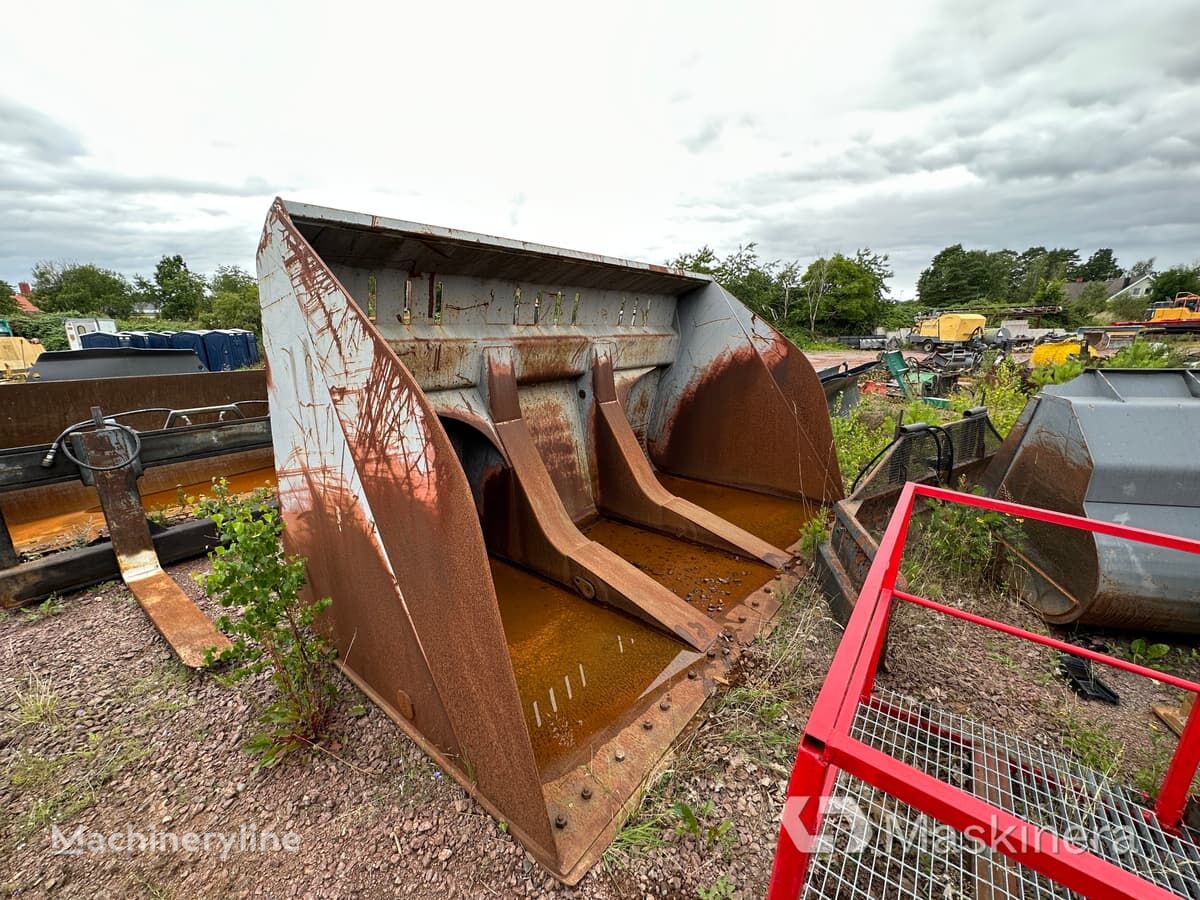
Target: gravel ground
(101,728)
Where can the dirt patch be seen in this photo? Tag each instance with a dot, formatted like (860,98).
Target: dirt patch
(101,728)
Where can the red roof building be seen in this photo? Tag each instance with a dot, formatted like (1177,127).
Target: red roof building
(21,298)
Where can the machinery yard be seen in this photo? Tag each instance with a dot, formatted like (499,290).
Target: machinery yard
(592,583)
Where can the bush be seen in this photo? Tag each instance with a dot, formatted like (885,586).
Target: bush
(857,441)
(273,629)
(1003,392)
(1142,354)
(957,543)
(49,328)
(1056,373)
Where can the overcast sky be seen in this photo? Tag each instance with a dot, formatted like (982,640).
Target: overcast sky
(640,130)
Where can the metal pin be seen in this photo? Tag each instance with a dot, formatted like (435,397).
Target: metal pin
(553,702)
(567,682)
(582,677)
(537,714)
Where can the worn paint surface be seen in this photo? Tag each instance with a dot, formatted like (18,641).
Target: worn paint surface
(36,529)
(776,520)
(1116,446)
(35,413)
(349,423)
(439,396)
(177,618)
(579,666)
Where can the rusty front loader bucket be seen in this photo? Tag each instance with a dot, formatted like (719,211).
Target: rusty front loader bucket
(549,493)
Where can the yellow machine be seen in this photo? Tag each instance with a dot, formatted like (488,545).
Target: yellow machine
(1053,353)
(948,328)
(16,356)
(1184,308)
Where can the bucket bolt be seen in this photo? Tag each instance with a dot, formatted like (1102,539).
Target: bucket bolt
(647,725)
(586,793)
(665,705)
(620,756)
(560,821)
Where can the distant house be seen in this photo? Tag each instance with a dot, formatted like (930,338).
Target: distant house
(1121,286)
(21,298)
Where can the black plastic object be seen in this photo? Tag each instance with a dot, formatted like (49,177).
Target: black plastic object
(1079,674)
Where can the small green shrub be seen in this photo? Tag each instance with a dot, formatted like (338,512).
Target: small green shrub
(721,889)
(1002,391)
(813,534)
(1143,354)
(857,441)
(1144,654)
(692,822)
(953,542)
(1056,373)
(273,630)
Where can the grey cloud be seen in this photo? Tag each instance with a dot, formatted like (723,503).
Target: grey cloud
(1079,123)
(36,136)
(706,136)
(60,206)
(1151,215)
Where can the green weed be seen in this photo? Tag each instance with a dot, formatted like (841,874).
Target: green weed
(273,631)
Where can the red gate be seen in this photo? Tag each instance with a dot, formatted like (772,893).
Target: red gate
(1008,818)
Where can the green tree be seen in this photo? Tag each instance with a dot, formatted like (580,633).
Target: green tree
(844,295)
(145,293)
(834,294)
(8,306)
(1100,266)
(703,261)
(958,277)
(82,288)
(1174,280)
(743,274)
(1037,265)
(1092,298)
(234,300)
(180,292)
(1142,267)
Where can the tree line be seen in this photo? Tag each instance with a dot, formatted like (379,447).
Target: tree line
(227,299)
(837,294)
(842,294)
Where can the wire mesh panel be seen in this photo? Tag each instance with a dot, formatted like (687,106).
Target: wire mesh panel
(907,854)
(930,455)
(907,800)
(873,845)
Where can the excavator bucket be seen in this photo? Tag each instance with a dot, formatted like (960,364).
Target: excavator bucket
(550,494)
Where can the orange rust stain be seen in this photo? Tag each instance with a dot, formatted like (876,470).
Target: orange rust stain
(579,666)
(777,520)
(84,525)
(708,579)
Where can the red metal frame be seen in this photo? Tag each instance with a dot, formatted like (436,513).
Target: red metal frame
(827,745)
